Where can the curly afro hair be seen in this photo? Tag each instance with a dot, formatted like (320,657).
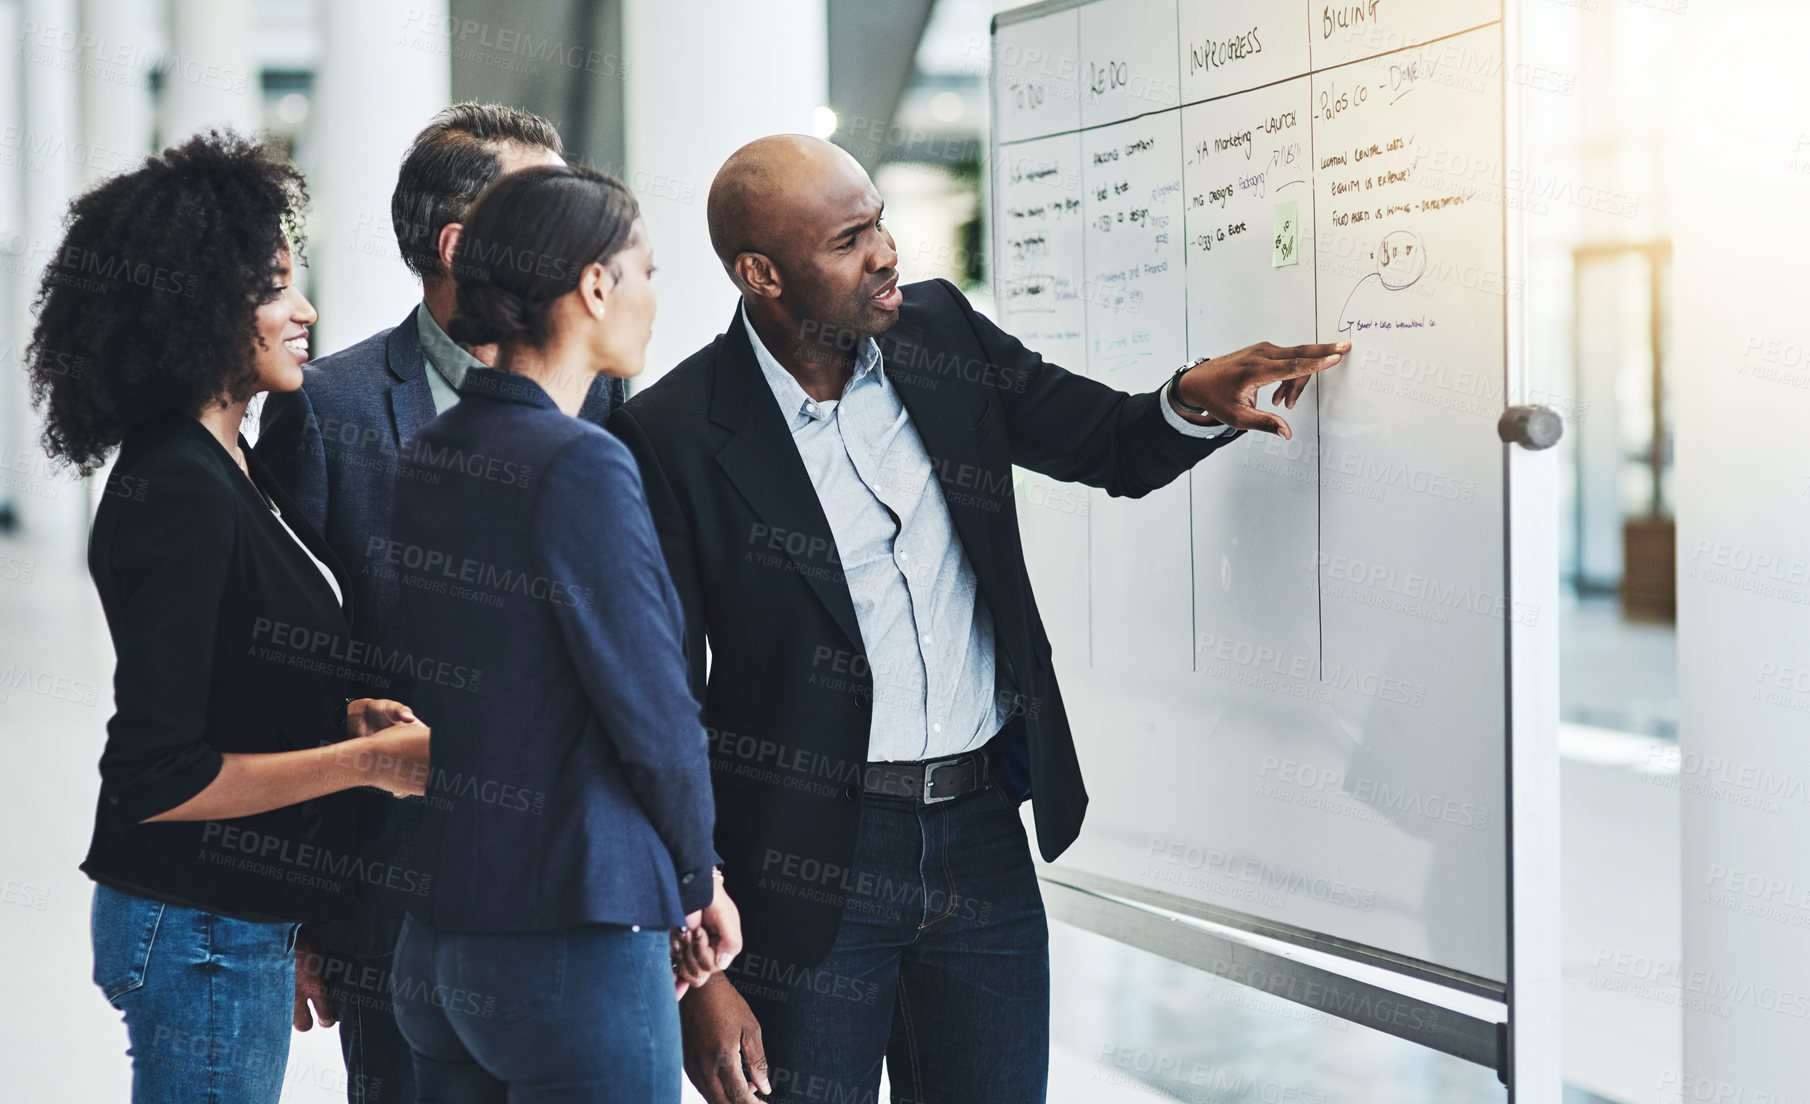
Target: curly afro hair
(148,306)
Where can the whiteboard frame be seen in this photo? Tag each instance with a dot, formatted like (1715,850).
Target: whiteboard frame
(1226,953)
(1533,1064)
(1527,1049)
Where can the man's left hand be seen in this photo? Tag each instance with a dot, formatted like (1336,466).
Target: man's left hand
(1227,386)
(310,989)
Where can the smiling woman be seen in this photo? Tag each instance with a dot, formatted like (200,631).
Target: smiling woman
(169,304)
(165,294)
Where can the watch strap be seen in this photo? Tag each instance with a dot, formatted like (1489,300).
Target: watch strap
(1175,392)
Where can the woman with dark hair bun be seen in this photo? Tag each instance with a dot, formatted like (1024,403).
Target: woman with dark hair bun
(168,305)
(572,891)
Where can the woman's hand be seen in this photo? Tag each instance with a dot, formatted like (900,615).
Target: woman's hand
(368,716)
(709,941)
(722,922)
(394,759)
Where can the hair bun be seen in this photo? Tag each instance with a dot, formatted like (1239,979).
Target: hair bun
(488,315)
(527,241)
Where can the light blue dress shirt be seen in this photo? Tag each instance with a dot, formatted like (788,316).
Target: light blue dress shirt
(927,639)
(447,361)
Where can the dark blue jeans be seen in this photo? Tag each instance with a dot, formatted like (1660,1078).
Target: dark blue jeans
(941,966)
(585,1015)
(208,1000)
(380,1068)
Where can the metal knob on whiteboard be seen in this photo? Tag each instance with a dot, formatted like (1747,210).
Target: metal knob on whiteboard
(1531,427)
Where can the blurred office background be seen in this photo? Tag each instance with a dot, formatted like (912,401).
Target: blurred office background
(659,91)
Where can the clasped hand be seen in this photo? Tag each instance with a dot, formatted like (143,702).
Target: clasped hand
(709,941)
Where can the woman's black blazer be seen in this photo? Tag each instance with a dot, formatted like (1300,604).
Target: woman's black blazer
(227,640)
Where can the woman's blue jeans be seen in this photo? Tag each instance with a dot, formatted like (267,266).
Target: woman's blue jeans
(208,1001)
(580,1016)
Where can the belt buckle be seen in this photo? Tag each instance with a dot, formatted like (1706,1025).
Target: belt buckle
(930,770)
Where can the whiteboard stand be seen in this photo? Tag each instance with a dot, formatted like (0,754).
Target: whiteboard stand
(1465,1025)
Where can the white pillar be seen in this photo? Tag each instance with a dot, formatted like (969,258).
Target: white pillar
(116,110)
(116,94)
(685,113)
(384,72)
(15,258)
(1741,159)
(51,505)
(212,75)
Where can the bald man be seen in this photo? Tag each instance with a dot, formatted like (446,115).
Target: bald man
(831,479)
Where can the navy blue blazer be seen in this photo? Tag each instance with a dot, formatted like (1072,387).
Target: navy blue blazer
(571,777)
(335,446)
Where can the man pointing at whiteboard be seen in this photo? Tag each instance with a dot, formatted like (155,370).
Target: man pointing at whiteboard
(831,480)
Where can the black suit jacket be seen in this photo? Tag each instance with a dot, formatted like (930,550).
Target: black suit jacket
(789,697)
(226,639)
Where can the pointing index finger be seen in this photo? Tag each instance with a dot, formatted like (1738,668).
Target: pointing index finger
(1312,352)
(1303,360)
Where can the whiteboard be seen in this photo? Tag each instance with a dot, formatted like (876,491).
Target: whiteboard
(1287,670)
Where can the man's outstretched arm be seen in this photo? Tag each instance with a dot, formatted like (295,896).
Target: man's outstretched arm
(1069,427)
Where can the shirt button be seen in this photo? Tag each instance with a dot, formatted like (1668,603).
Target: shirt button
(926,638)
(688,879)
(936,728)
(904,556)
(634,927)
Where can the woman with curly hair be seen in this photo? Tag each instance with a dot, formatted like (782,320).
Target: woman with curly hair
(169,304)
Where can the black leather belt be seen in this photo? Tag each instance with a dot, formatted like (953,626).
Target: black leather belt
(931,780)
